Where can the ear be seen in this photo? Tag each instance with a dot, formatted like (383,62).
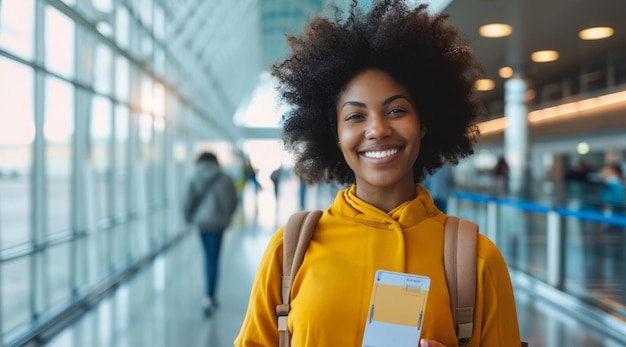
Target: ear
(422,130)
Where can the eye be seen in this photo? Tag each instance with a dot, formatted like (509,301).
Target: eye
(396,112)
(353,117)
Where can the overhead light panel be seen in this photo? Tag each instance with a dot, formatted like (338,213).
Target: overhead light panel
(544,56)
(493,125)
(596,33)
(495,30)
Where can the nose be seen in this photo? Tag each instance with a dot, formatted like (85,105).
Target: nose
(378,127)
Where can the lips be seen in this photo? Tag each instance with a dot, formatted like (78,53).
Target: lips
(380,154)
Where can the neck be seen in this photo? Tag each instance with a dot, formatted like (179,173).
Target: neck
(386,198)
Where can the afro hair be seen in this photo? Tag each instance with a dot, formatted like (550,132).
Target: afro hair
(417,49)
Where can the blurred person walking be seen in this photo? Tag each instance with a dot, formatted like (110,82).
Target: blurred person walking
(501,176)
(613,195)
(275,176)
(209,206)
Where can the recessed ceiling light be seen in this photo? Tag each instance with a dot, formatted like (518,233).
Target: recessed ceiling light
(485,85)
(582,148)
(596,33)
(505,72)
(495,30)
(544,56)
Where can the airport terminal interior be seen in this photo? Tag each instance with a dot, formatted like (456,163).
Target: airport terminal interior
(105,105)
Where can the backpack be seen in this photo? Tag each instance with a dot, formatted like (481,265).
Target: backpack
(459,264)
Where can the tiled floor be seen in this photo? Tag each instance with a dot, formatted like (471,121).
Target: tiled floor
(160,306)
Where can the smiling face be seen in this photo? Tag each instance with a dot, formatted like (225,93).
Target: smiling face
(379,133)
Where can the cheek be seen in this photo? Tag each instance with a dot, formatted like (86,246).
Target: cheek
(348,138)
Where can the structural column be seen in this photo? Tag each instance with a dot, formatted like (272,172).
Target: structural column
(516,134)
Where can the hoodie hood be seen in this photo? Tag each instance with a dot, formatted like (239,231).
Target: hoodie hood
(406,214)
(205,171)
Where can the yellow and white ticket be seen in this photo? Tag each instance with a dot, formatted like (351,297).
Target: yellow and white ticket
(396,310)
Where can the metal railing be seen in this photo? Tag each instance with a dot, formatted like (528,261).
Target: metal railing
(573,256)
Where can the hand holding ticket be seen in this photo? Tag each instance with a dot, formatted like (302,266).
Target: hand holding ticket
(396,310)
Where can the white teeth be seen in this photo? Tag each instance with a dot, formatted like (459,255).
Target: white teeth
(381,154)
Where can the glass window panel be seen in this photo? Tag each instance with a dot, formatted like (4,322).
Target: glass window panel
(159,100)
(59,51)
(58,131)
(86,52)
(97,12)
(593,264)
(17,25)
(158,195)
(147,96)
(619,68)
(147,157)
(146,44)
(159,61)
(122,78)
(102,68)
(122,32)
(58,273)
(146,12)
(70,2)
(105,6)
(159,22)
(96,257)
(140,235)
(17,132)
(145,135)
(100,138)
(594,78)
(119,246)
(121,157)
(81,281)
(105,28)
(15,285)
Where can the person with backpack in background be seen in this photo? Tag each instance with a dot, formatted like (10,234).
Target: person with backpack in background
(379,100)
(275,177)
(209,206)
(501,177)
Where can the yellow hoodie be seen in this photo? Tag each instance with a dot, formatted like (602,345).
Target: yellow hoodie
(353,239)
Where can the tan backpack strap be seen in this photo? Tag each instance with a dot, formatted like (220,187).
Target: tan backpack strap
(298,232)
(460,267)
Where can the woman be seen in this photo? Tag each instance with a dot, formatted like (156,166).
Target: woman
(379,100)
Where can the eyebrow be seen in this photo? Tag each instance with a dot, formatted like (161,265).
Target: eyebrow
(384,103)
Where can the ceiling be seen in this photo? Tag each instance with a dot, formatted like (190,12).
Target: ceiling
(232,54)
(537,25)
(540,25)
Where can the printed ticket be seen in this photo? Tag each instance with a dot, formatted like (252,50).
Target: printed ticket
(396,310)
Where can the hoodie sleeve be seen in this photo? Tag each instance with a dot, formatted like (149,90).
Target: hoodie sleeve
(498,325)
(260,325)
